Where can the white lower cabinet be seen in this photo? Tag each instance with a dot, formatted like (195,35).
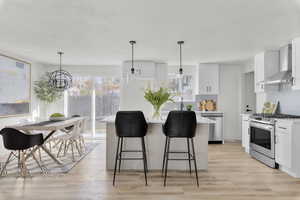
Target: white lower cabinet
(287,146)
(245,132)
(283,146)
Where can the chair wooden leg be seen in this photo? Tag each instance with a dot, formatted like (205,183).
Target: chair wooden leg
(72,149)
(50,146)
(24,170)
(82,142)
(144,160)
(60,148)
(116,161)
(77,147)
(5,164)
(195,163)
(38,163)
(167,160)
(40,154)
(189,156)
(121,149)
(66,146)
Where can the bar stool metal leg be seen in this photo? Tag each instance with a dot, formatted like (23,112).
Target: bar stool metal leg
(167,160)
(164,157)
(195,163)
(116,160)
(120,160)
(189,154)
(144,159)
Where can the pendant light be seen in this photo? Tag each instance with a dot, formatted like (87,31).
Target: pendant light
(131,75)
(132,42)
(60,79)
(180,43)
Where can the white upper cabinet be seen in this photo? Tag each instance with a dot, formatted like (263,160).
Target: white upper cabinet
(266,64)
(208,79)
(296,63)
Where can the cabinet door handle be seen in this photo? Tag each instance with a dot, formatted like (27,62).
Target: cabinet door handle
(293,81)
(282,127)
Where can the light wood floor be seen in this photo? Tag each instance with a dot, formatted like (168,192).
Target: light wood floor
(232,175)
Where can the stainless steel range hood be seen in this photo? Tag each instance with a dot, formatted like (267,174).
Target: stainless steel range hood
(284,76)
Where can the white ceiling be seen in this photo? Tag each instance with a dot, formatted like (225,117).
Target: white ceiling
(95,32)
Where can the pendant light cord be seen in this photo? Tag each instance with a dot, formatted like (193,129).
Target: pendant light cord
(60,74)
(180,56)
(132,52)
(60,53)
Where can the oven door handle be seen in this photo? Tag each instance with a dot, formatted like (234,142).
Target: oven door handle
(262,126)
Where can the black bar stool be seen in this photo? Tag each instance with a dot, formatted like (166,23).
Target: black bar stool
(180,124)
(130,124)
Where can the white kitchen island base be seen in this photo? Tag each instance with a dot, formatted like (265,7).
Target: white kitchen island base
(155,141)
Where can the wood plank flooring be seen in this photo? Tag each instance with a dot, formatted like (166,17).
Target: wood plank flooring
(232,175)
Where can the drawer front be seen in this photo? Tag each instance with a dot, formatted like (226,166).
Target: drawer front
(283,126)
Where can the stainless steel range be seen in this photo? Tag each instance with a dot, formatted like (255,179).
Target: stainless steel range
(262,137)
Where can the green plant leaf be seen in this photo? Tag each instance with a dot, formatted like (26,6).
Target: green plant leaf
(44,91)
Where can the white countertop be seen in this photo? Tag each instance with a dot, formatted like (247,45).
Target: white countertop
(200,112)
(200,120)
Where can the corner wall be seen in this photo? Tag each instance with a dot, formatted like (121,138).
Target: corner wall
(229,99)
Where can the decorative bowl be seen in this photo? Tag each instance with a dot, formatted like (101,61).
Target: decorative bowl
(56,119)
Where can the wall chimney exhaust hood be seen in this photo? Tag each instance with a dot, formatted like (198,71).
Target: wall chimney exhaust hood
(284,76)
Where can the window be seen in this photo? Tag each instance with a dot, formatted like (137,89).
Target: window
(107,99)
(187,86)
(94,98)
(80,99)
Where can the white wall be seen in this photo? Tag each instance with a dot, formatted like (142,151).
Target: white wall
(230,99)
(37,69)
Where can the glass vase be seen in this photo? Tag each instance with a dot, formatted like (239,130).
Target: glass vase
(156,114)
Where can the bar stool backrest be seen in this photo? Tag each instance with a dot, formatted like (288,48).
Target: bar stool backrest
(180,124)
(131,124)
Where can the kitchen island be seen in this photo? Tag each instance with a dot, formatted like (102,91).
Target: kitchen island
(155,141)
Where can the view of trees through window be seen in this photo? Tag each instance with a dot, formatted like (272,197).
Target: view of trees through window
(104,91)
(107,99)
(80,99)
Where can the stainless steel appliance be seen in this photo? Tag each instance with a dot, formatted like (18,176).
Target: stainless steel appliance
(285,73)
(262,137)
(262,142)
(215,130)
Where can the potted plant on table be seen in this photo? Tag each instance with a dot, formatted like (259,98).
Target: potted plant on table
(45,92)
(189,107)
(157,99)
